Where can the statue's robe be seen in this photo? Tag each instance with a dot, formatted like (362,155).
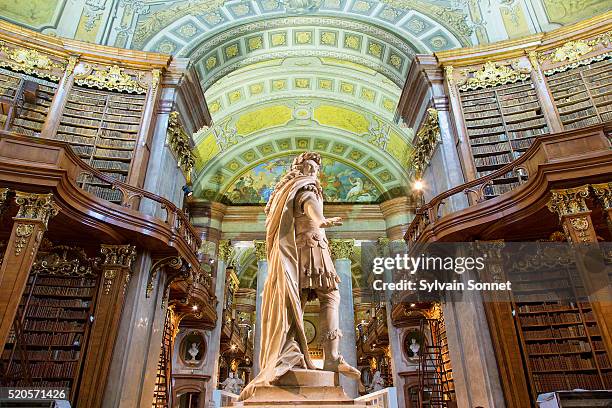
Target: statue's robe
(283,340)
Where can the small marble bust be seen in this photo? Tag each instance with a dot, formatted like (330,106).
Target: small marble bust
(414,347)
(193,351)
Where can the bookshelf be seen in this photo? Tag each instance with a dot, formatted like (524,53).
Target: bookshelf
(502,122)
(583,95)
(559,336)
(30,98)
(53,325)
(102,128)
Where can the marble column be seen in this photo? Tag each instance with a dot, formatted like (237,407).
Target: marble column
(342,250)
(475,372)
(211,363)
(133,367)
(262,274)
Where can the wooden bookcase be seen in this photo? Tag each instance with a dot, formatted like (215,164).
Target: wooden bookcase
(29,112)
(583,95)
(559,336)
(502,123)
(54,322)
(102,128)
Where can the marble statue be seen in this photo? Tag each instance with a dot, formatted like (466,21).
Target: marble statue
(193,351)
(378,383)
(414,347)
(300,268)
(232,384)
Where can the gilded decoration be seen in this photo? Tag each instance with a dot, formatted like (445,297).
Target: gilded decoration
(4,192)
(180,145)
(35,207)
(341,248)
(260,250)
(30,62)
(572,53)
(22,233)
(603,192)
(427,138)
(492,74)
(569,201)
(581,226)
(110,77)
(118,256)
(224,251)
(172,262)
(65,260)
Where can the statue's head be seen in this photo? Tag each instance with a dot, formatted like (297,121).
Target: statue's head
(231,374)
(308,164)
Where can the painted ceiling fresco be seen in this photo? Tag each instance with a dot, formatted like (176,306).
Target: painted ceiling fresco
(284,76)
(340,182)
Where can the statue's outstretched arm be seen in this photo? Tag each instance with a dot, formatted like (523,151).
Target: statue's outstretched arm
(314,210)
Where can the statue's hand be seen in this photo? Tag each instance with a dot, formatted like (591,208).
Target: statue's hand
(331,222)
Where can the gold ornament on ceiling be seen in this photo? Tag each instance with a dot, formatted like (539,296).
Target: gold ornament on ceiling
(112,78)
(30,62)
(492,74)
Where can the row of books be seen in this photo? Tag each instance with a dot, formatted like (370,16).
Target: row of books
(79,134)
(65,281)
(602,360)
(486,131)
(578,106)
(488,107)
(47,355)
(542,319)
(60,303)
(114,154)
(52,312)
(566,381)
(52,339)
(491,148)
(567,362)
(104,193)
(569,346)
(593,120)
(118,143)
(53,326)
(498,189)
(125,127)
(49,369)
(556,332)
(111,165)
(493,160)
(61,291)
(538,122)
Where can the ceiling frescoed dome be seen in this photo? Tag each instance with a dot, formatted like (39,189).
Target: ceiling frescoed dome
(283,76)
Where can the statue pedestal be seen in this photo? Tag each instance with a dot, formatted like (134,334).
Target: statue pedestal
(301,388)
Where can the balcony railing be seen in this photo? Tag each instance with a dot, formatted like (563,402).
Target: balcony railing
(475,190)
(130,198)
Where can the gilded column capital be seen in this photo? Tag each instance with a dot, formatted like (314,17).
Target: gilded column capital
(224,250)
(35,207)
(569,201)
(603,192)
(341,248)
(260,250)
(116,258)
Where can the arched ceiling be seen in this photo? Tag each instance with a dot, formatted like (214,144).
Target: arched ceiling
(283,76)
